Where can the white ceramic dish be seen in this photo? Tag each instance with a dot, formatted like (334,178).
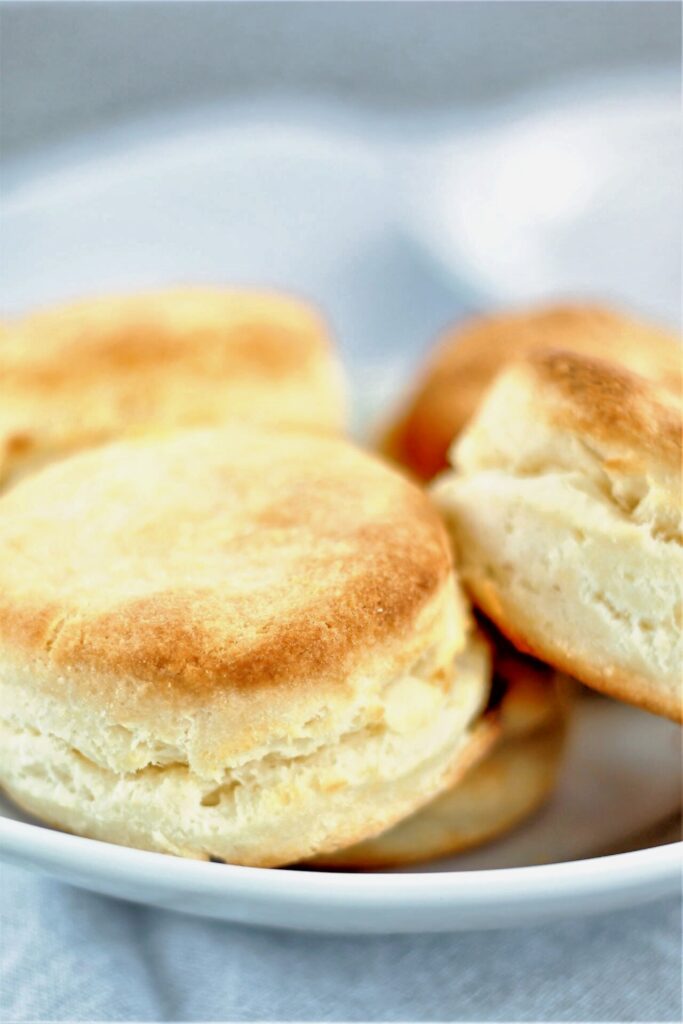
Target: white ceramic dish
(342,903)
(621,776)
(282,198)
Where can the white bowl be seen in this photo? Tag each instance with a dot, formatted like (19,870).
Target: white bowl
(272,198)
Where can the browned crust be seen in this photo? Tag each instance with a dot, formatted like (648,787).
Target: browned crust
(103,368)
(185,329)
(468,357)
(603,401)
(316,555)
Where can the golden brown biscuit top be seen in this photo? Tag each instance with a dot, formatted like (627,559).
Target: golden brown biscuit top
(81,374)
(200,328)
(608,404)
(616,434)
(468,358)
(216,558)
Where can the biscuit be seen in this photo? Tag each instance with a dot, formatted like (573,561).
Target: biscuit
(468,357)
(85,374)
(565,508)
(237,643)
(506,772)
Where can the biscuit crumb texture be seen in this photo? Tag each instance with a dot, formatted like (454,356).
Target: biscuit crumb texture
(238,643)
(565,507)
(507,770)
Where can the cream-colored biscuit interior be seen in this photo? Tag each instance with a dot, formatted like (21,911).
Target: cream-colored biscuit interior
(571,542)
(329,784)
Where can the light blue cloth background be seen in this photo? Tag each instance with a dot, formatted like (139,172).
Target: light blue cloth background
(69,955)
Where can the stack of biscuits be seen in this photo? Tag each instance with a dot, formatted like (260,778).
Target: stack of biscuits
(227,632)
